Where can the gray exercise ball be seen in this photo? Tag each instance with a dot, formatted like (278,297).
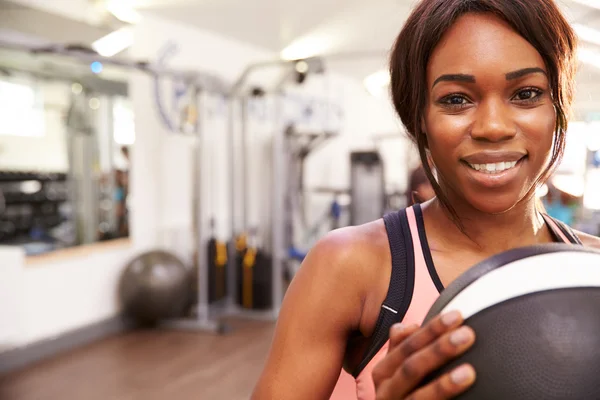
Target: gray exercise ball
(154,287)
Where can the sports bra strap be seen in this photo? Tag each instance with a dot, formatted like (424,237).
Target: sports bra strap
(401,286)
(558,227)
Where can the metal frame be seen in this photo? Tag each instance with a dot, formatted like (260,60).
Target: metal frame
(238,96)
(279,168)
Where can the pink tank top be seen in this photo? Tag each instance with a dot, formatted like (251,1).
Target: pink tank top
(427,288)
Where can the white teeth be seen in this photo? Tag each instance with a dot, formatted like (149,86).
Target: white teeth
(493,168)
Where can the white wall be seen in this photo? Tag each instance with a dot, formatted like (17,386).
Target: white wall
(11,296)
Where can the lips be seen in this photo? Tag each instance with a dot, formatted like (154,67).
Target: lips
(494,170)
(494,157)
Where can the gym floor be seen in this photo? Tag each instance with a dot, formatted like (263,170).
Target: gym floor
(150,365)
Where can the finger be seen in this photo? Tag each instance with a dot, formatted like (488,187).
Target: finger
(423,337)
(437,354)
(399,332)
(384,370)
(447,386)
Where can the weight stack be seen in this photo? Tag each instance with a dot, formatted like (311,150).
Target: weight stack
(254,291)
(217,270)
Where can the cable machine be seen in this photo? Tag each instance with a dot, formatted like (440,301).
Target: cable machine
(289,149)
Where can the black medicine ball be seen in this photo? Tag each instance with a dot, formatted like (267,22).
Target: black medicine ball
(536,315)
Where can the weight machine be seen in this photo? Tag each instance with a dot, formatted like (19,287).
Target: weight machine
(290,148)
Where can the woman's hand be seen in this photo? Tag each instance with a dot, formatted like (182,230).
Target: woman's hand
(416,352)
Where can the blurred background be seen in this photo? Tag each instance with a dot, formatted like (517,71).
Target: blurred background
(165,165)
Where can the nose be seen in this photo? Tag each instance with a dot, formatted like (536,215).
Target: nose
(493,122)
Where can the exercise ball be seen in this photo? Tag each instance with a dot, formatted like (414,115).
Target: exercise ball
(154,286)
(536,315)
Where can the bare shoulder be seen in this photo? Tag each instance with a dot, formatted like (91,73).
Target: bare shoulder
(351,251)
(324,304)
(589,240)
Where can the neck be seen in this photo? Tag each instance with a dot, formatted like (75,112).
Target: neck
(521,226)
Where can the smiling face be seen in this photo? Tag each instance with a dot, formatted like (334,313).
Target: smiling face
(489,118)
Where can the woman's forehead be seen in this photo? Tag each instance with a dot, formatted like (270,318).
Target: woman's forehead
(482,43)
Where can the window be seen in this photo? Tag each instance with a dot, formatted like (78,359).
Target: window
(21,111)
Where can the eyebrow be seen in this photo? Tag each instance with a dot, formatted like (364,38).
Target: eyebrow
(523,72)
(471,79)
(454,78)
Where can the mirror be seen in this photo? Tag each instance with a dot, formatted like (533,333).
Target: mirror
(65,136)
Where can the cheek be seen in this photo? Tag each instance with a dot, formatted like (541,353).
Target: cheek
(445,133)
(538,126)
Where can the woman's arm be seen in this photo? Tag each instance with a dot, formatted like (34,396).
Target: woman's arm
(322,306)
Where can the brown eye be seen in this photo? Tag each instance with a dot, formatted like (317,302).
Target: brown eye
(456,100)
(527,94)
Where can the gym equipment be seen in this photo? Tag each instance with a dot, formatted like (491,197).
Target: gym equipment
(84,155)
(367,187)
(201,320)
(276,243)
(535,314)
(154,287)
(217,263)
(254,268)
(299,233)
(32,212)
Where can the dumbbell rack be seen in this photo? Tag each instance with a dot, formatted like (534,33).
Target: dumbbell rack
(31,206)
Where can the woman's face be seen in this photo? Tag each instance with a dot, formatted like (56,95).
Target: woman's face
(489,117)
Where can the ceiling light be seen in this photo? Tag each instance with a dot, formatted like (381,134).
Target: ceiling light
(305,48)
(377,83)
(302,67)
(114,43)
(123,11)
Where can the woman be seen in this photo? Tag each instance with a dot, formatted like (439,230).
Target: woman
(484,89)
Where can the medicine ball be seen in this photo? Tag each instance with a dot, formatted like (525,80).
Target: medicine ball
(154,286)
(536,315)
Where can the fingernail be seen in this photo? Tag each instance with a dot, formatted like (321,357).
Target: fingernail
(451,318)
(460,336)
(462,375)
(398,328)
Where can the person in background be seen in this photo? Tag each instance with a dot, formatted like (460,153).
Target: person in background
(419,187)
(560,205)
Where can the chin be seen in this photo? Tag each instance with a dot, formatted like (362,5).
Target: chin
(493,204)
